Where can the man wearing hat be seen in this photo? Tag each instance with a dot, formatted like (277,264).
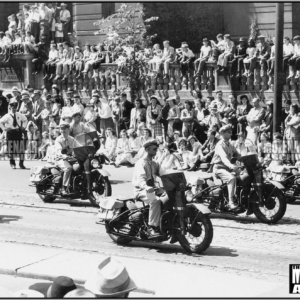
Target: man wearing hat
(208,148)
(294,61)
(239,55)
(227,54)
(263,51)
(111,280)
(214,118)
(65,18)
(187,57)
(64,142)
(222,166)
(145,172)
(205,53)
(26,108)
(14,124)
(254,118)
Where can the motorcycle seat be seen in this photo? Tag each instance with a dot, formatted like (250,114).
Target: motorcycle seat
(205,175)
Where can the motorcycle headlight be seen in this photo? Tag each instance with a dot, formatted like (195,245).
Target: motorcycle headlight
(95,163)
(189,196)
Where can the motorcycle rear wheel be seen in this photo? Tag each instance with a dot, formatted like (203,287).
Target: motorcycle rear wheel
(94,197)
(187,241)
(120,240)
(264,214)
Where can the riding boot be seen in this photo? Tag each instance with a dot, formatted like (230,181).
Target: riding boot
(12,163)
(21,164)
(88,190)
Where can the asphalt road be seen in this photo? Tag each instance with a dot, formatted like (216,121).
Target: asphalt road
(240,245)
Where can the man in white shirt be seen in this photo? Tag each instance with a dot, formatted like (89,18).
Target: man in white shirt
(186,62)
(227,54)
(65,18)
(218,48)
(105,114)
(205,52)
(288,51)
(168,56)
(35,19)
(294,61)
(50,65)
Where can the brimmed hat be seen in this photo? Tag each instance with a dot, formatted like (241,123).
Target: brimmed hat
(154,97)
(60,287)
(64,124)
(63,4)
(112,279)
(150,143)
(255,100)
(225,128)
(24,92)
(150,90)
(13,101)
(184,45)
(80,293)
(182,139)
(30,90)
(205,40)
(261,37)
(297,37)
(15,89)
(28,294)
(25,96)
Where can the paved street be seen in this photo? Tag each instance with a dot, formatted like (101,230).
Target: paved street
(241,247)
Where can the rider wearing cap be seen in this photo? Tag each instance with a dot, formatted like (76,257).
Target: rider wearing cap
(145,172)
(67,143)
(222,166)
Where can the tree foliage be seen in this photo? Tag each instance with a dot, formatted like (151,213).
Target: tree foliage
(128,27)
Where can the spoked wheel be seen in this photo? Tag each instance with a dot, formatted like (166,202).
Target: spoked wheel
(45,191)
(101,187)
(274,208)
(120,240)
(199,235)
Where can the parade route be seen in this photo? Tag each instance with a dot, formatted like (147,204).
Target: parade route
(43,241)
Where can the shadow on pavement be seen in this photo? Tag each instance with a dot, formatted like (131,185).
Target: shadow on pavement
(74,202)
(118,181)
(7,219)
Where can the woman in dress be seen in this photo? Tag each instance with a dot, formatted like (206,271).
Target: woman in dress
(110,146)
(67,111)
(267,122)
(123,150)
(135,114)
(90,117)
(193,159)
(173,114)
(143,139)
(242,112)
(250,60)
(154,116)
(169,161)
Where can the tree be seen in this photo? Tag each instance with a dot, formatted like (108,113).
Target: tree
(254,29)
(126,28)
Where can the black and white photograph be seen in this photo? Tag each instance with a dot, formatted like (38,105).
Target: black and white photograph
(150,149)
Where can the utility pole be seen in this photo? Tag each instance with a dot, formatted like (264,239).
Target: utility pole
(279,76)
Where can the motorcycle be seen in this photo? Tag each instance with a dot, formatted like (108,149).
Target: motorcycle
(289,177)
(264,198)
(126,219)
(48,179)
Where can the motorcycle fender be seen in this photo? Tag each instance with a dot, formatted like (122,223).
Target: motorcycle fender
(202,208)
(102,172)
(277,184)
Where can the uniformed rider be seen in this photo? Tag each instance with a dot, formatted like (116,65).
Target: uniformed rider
(145,172)
(67,143)
(223,168)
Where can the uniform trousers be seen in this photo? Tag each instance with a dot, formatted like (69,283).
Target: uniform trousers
(227,178)
(67,169)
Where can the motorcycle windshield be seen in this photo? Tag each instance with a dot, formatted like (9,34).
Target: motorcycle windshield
(85,145)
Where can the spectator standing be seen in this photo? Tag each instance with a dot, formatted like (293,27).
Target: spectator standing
(154,116)
(187,117)
(242,112)
(65,18)
(21,23)
(173,114)
(220,102)
(105,114)
(126,107)
(136,114)
(26,108)
(59,34)
(35,19)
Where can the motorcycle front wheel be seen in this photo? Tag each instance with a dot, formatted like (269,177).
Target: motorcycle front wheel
(274,208)
(199,236)
(101,187)
(120,240)
(45,191)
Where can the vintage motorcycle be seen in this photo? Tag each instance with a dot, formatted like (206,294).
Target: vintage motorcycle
(92,186)
(264,198)
(126,219)
(289,177)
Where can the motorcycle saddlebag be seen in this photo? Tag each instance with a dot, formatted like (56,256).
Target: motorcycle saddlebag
(109,208)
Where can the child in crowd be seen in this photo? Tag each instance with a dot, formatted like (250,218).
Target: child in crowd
(12,27)
(45,116)
(29,42)
(59,35)
(17,45)
(52,124)
(43,147)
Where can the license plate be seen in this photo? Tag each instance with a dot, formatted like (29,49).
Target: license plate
(108,214)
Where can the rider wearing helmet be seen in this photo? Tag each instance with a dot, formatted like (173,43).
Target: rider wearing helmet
(222,166)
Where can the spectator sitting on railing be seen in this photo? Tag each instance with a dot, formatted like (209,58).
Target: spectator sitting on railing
(7,41)
(218,48)
(100,59)
(168,56)
(288,50)
(294,61)
(40,56)
(27,22)
(17,45)
(263,52)
(49,65)
(29,42)
(238,58)
(92,58)
(227,54)
(121,62)
(205,53)
(2,44)
(187,58)
(250,60)
(77,61)
(154,63)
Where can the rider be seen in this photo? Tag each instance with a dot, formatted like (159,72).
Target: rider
(67,143)
(77,127)
(222,166)
(145,172)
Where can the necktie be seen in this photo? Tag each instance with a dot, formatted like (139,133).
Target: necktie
(15,124)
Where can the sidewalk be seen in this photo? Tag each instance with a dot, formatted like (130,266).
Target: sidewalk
(154,279)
